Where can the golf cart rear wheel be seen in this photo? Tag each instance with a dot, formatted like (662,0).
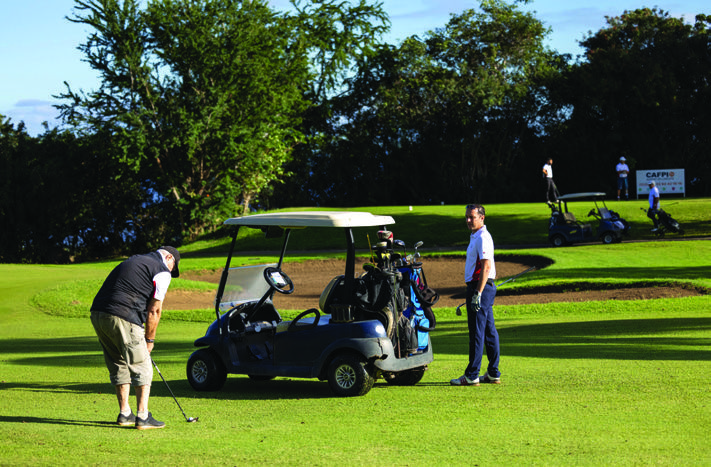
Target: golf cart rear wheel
(407,377)
(349,376)
(558,240)
(205,371)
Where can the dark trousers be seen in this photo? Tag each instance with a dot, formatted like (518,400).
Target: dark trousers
(652,214)
(482,332)
(551,190)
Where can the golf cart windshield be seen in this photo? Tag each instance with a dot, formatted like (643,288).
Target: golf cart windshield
(244,284)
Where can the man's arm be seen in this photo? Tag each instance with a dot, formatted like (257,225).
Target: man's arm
(155,308)
(484,276)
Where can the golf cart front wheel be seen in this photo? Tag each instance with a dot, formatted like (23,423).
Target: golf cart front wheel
(348,376)
(205,371)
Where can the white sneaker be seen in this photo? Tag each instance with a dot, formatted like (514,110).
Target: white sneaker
(464,381)
(490,380)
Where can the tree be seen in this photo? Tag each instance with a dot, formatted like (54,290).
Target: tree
(642,92)
(204,100)
(439,119)
(59,200)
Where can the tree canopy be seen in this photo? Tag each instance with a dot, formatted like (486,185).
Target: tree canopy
(207,108)
(204,100)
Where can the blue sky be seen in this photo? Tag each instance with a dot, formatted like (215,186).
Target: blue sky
(38,45)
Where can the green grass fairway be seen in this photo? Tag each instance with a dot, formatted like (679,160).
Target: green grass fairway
(611,383)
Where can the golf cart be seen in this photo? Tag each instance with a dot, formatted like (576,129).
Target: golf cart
(352,339)
(564,228)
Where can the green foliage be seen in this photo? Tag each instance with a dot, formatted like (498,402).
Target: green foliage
(641,92)
(204,100)
(61,199)
(435,119)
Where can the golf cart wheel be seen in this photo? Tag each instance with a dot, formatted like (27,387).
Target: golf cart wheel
(558,240)
(205,371)
(348,376)
(607,238)
(407,377)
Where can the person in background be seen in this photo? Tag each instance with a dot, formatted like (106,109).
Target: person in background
(551,189)
(653,204)
(131,296)
(479,275)
(622,183)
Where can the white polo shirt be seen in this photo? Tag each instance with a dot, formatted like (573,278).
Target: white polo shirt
(481,246)
(653,193)
(622,166)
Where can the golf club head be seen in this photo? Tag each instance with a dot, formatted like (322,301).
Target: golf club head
(459,309)
(192,419)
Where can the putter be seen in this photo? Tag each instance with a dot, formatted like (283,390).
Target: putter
(187,419)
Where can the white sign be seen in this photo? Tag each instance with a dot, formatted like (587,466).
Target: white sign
(669,181)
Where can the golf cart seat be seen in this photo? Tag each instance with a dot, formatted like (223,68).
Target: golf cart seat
(334,302)
(604,213)
(570,218)
(249,320)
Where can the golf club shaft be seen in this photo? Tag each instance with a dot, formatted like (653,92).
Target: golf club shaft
(170,390)
(502,283)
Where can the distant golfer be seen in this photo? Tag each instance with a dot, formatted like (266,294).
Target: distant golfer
(131,296)
(479,275)
(551,189)
(623,171)
(653,204)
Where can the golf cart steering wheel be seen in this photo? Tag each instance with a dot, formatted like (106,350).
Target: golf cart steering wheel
(278,280)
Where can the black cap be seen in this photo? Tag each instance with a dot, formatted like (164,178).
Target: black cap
(173,251)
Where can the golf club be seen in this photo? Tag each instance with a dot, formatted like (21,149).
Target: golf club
(187,419)
(458,312)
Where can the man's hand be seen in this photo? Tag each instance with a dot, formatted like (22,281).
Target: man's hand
(150,346)
(476,302)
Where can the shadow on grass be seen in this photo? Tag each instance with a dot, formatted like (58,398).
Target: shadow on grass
(59,421)
(625,339)
(629,273)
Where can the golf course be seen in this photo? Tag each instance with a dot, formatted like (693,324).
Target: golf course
(621,381)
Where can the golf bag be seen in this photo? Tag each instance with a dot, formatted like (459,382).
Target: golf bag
(668,222)
(421,300)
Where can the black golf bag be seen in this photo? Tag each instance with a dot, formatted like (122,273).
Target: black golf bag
(666,224)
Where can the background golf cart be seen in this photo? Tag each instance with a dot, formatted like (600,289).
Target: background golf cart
(350,340)
(564,228)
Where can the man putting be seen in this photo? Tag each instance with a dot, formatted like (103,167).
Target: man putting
(131,296)
(479,275)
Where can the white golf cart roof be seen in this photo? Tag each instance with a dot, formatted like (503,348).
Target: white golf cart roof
(312,219)
(573,196)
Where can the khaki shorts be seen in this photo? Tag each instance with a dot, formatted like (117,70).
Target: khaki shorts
(125,351)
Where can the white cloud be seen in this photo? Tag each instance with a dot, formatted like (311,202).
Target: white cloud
(34,112)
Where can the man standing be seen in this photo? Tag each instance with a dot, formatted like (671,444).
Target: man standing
(622,171)
(479,274)
(653,204)
(551,189)
(131,296)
